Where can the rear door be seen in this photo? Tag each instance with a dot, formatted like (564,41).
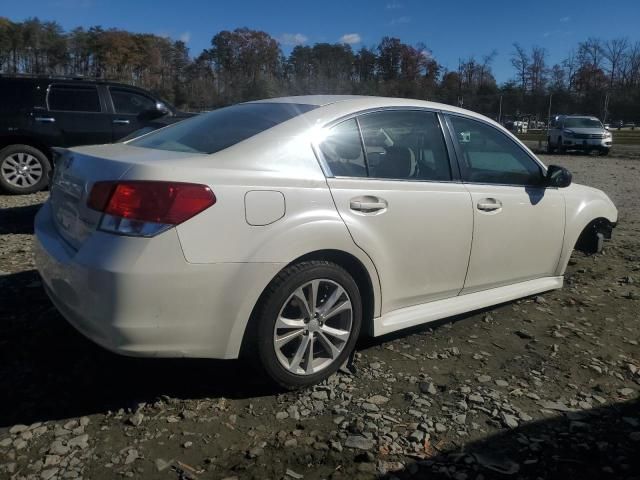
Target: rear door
(79,116)
(127,105)
(518,223)
(401,202)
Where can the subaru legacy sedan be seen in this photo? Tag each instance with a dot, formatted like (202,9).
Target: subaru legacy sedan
(283,229)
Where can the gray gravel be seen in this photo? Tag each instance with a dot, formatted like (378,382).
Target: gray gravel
(545,387)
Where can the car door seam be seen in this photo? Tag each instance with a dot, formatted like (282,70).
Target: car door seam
(335,205)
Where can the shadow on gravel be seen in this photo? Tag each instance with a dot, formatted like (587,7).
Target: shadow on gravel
(18,219)
(48,371)
(592,444)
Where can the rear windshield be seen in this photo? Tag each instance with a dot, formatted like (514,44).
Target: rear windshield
(581,122)
(220,129)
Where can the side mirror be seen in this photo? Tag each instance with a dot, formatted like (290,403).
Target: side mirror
(160,110)
(558,177)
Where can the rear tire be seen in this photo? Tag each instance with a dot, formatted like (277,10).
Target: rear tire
(285,333)
(23,169)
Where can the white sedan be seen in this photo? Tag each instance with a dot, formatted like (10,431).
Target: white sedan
(283,229)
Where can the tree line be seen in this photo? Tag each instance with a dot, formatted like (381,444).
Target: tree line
(600,77)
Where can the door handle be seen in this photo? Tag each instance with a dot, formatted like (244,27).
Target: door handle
(368,204)
(45,119)
(489,204)
(120,121)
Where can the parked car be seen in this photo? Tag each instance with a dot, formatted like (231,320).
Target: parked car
(38,113)
(282,229)
(576,132)
(520,126)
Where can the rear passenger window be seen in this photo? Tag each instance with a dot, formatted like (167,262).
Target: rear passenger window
(71,98)
(405,145)
(342,150)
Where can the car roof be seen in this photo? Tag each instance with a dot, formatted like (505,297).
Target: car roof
(317,100)
(47,79)
(579,116)
(362,102)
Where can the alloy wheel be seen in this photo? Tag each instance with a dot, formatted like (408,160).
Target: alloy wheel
(313,327)
(21,170)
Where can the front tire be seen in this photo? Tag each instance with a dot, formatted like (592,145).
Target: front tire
(307,323)
(550,148)
(23,169)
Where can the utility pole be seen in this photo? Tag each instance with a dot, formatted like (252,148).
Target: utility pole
(549,115)
(500,111)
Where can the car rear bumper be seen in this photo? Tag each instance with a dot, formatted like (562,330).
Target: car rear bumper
(140,297)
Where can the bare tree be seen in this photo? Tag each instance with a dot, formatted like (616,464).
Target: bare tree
(485,66)
(521,61)
(570,65)
(537,69)
(614,51)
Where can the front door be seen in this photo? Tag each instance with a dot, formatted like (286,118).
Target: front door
(518,223)
(128,105)
(401,204)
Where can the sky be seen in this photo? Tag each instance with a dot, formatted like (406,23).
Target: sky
(452,29)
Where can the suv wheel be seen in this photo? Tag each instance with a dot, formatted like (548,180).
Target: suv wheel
(23,169)
(308,323)
(550,147)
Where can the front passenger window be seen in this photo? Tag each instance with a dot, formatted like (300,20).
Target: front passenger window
(489,156)
(130,103)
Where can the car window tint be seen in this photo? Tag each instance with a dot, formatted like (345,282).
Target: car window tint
(220,129)
(405,145)
(128,102)
(489,156)
(342,150)
(582,122)
(16,95)
(73,98)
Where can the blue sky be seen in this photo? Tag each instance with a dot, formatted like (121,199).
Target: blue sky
(451,29)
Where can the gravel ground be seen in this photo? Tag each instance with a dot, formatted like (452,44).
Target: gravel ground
(545,387)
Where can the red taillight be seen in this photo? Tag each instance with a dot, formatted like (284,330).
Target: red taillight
(168,203)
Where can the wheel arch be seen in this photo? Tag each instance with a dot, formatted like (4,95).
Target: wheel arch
(587,240)
(9,140)
(369,290)
(581,220)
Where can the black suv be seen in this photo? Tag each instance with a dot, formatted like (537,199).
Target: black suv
(38,113)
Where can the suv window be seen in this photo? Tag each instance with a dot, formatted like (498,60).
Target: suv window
(16,95)
(220,129)
(342,150)
(128,102)
(72,98)
(405,145)
(489,156)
